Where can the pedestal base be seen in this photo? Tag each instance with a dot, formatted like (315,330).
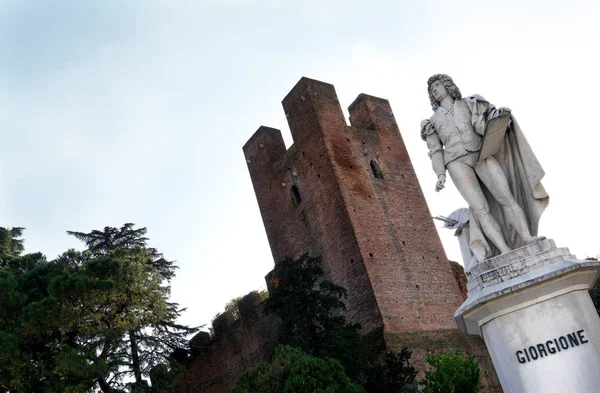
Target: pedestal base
(539,324)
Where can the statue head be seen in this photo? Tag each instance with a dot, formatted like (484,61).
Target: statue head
(448,84)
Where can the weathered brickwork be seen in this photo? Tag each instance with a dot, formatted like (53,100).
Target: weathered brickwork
(349,194)
(461,278)
(230,353)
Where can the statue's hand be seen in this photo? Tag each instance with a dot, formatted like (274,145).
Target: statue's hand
(497,112)
(503,110)
(439,185)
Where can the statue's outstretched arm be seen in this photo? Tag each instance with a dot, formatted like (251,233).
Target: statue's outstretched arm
(436,152)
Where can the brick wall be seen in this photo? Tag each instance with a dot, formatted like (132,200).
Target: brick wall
(459,275)
(230,353)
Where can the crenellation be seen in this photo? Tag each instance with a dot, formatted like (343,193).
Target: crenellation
(312,108)
(372,113)
(264,148)
(218,360)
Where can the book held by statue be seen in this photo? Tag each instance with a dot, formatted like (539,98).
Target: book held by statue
(493,138)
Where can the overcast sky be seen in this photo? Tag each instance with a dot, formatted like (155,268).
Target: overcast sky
(137,111)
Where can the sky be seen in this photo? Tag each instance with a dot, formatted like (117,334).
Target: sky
(137,111)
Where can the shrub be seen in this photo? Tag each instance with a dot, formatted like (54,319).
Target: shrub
(453,372)
(293,371)
(394,375)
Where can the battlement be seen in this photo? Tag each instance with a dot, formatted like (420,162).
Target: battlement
(372,113)
(312,108)
(314,113)
(236,345)
(264,148)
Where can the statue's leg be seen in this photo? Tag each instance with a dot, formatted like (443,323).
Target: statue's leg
(491,174)
(464,178)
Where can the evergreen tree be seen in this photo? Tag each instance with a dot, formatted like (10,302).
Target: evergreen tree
(311,311)
(11,246)
(88,320)
(100,242)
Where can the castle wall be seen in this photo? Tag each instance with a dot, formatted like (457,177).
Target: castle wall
(228,355)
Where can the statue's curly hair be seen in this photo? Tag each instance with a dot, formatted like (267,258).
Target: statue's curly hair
(448,84)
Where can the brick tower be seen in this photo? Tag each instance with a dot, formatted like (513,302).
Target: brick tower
(350,195)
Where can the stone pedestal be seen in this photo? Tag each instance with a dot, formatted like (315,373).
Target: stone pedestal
(532,308)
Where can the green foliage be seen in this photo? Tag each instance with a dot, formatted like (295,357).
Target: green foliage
(293,371)
(101,242)
(164,376)
(453,372)
(395,375)
(311,310)
(242,307)
(231,308)
(10,244)
(87,320)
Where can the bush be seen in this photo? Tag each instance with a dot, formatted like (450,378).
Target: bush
(395,375)
(453,372)
(243,307)
(293,371)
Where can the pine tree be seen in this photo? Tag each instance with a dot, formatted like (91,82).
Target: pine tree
(152,338)
(88,320)
(10,244)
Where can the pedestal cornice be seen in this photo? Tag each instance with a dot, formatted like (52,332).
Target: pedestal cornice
(520,278)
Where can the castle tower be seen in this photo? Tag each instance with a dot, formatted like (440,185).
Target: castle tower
(350,195)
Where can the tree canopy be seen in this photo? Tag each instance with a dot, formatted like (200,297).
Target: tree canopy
(11,245)
(93,319)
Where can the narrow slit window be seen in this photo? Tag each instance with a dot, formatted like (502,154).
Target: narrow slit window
(296,196)
(376,170)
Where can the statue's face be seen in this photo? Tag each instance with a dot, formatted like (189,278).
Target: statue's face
(439,90)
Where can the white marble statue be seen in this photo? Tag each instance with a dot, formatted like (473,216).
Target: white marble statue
(504,193)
